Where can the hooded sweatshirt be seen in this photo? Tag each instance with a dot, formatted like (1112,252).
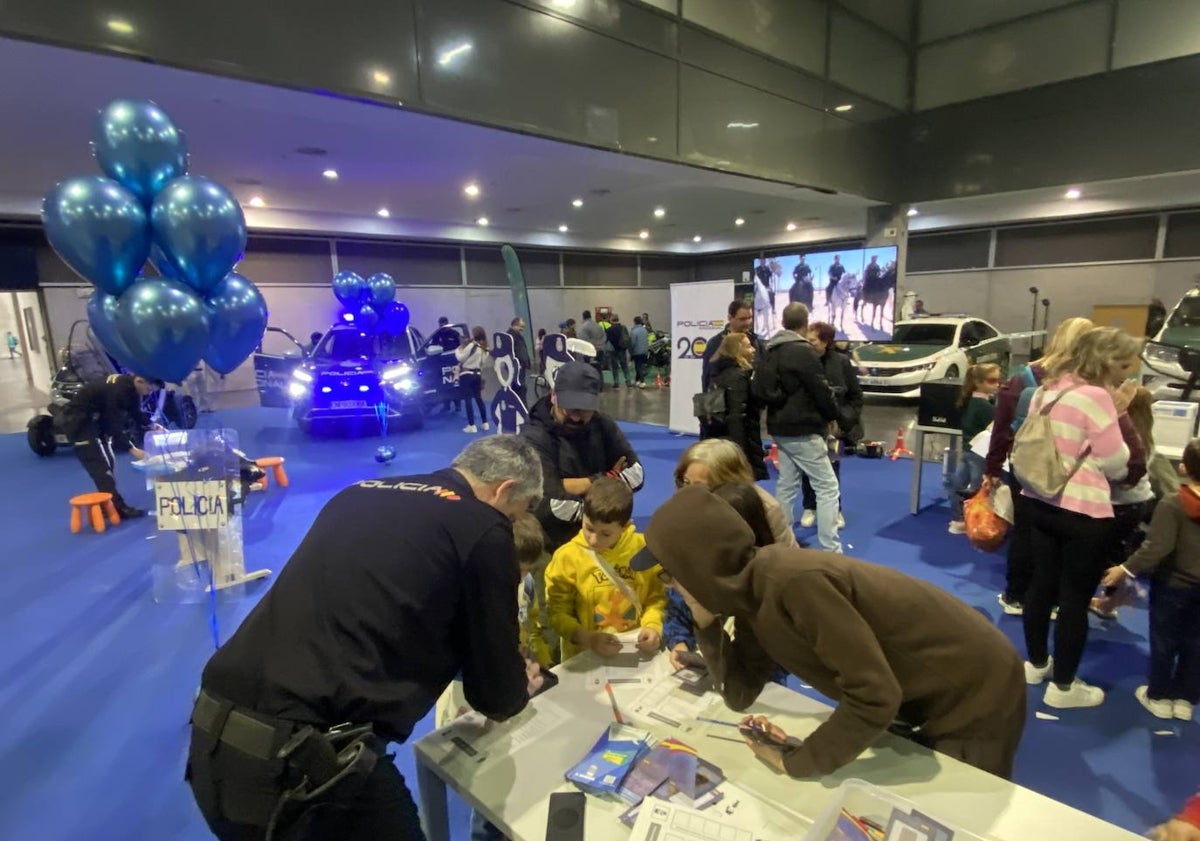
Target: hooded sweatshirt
(1173,541)
(880,644)
(580,595)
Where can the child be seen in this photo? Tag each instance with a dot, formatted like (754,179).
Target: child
(591,593)
(1172,550)
(975,401)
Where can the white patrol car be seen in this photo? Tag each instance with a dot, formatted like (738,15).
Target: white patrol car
(929,348)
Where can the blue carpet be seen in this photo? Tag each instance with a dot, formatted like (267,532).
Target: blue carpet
(96,679)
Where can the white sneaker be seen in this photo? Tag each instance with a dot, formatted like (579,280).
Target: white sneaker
(486,427)
(1079,695)
(470,428)
(1161,708)
(641,385)
(1183,710)
(1034,675)
(841,521)
(808,519)
(957,527)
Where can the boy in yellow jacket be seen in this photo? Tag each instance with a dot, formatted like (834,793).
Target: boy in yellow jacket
(591,593)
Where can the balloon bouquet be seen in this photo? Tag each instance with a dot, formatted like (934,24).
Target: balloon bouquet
(190,228)
(371,304)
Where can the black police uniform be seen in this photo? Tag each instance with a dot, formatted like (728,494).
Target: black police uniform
(98,412)
(401,584)
(835,276)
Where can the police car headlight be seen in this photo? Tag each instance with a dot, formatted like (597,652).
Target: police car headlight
(396,372)
(302,375)
(1163,354)
(297,390)
(924,366)
(407,384)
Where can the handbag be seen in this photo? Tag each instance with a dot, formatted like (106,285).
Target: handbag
(710,405)
(985,528)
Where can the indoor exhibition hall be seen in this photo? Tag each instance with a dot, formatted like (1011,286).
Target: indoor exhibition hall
(600,420)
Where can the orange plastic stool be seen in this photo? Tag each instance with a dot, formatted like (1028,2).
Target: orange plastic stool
(276,463)
(97,505)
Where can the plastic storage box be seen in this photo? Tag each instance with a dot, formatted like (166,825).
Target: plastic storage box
(862,799)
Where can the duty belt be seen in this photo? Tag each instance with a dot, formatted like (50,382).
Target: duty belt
(260,737)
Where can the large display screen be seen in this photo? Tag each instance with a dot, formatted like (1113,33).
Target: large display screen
(853,290)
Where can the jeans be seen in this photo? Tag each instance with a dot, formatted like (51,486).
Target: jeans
(968,476)
(1174,643)
(639,366)
(809,455)
(1069,551)
(615,359)
(809,496)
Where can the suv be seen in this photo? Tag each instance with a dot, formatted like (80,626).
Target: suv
(1162,371)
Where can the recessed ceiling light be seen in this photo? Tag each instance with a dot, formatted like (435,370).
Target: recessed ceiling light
(257,201)
(651,139)
(482,221)
(449,55)
(562,229)
(577,203)
(742,125)
(660,212)
(912,211)
(331,174)
(791,226)
(119,26)
(471,189)
(1072,193)
(842,109)
(739,221)
(381,78)
(383,211)
(696,238)
(644,234)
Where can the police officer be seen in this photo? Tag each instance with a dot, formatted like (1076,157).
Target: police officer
(100,411)
(401,584)
(835,275)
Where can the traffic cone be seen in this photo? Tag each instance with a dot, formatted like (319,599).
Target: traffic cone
(658,383)
(900,449)
(773,455)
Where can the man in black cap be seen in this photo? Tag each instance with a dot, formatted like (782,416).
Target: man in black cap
(577,444)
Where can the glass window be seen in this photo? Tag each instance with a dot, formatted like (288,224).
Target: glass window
(924,333)
(344,345)
(1187,314)
(984,331)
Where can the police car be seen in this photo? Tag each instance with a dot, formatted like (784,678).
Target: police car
(929,348)
(1162,372)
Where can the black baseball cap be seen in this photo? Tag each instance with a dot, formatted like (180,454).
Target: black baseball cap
(643,560)
(577,386)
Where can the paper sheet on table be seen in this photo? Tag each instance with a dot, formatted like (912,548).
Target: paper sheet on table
(475,738)
(628,667)
(667,702)
(738,816)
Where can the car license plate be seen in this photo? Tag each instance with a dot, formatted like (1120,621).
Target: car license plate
(348,404)
(871,381)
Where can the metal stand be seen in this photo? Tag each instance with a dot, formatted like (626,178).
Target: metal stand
(914,496)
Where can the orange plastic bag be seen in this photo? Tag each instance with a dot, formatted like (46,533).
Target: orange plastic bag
(985,529)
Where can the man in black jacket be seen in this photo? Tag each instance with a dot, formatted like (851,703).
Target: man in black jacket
(802,284)
(577,445)
(835,275)
(516,329)
(401,584)
(843,379)
(741,320)
(800,410)
(618,336)
(99,412)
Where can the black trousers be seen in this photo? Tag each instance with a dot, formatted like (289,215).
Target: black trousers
(472,384)
(236,794)
(96,456)
(1174,642)
(1019,568)
(639,367)
(616,360)
(1069,555)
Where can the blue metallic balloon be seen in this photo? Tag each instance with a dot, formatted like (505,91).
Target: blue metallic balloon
(237,318)
(201,229)
(382,289)
(385,453)
(102,316)
(367,318)
(99,229)
(165,325)
(349,288)
(393,318)
(137,145)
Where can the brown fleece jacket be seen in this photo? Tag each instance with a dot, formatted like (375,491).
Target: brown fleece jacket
(882,645)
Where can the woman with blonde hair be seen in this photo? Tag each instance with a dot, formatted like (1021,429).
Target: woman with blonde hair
(714,463)
(1086,397)
(732,368)
(1019,570)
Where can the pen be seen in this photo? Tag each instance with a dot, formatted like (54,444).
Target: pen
(725,738)
(736,724)
(613,700)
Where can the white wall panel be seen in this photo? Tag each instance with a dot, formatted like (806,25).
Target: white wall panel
(893,15)
(864,59)
(1154,30)
(944,18)
(790,30)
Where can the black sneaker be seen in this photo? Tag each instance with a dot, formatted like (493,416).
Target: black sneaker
(128,512)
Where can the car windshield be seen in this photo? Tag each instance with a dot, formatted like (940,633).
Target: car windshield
(394,346)
(924,334)
(343,345)
(1187,314)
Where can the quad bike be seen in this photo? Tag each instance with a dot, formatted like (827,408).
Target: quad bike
(84,360)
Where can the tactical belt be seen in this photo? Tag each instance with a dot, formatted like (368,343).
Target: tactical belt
(260,737)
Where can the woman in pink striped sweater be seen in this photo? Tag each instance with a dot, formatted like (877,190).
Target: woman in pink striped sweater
(1071,531)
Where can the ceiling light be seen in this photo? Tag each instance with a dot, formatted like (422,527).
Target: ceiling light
(119,26)
(651,139)
(331,174)
(383,211)
(644,234)
(577,203)
(381,78)
(471,189)
(482,221)
(1072,193)
(791,226)
(562,229)
(912,211)
(696,238)
(660,212)
(842,109)
(739,221)
(449,55)
(564,4)
(742,125)
(257,201)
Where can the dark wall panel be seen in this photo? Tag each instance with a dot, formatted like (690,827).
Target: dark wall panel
(1096,241)
(1183,235)
(285,260)
(410,265)
(599,270)
(485,267)
(661,272)
(945,252)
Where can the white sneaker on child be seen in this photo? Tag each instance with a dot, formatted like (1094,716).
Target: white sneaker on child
(486,427)
(808,519)
(1182,710)
(1079,695)
(470,428)
(1159,708)
(957,527)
